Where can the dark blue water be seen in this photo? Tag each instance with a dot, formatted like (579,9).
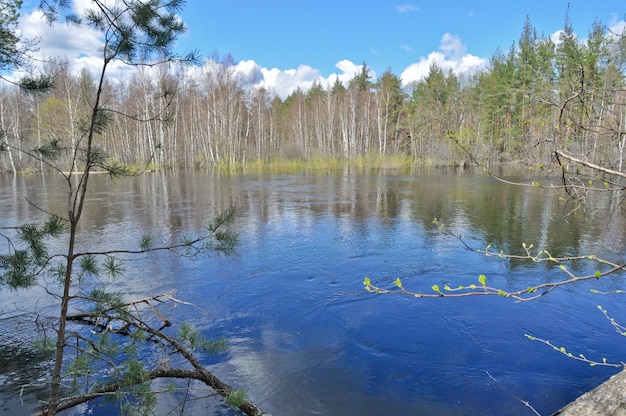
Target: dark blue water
(307,339)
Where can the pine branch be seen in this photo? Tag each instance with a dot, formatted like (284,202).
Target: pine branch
(199,372)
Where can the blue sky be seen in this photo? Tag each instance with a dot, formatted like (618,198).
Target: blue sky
(285,34)
(293,43)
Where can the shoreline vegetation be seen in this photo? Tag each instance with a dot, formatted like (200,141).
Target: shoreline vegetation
(398,163)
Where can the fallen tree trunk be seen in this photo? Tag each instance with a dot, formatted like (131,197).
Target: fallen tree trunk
(608,399)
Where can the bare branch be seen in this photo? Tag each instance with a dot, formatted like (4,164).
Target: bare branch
(590,165)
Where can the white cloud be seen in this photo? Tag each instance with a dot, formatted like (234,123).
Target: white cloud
(60,40)
(407,8)
(81,46)
(348,70)
(452,46)
(284,82)
(249,72)
(556,36)
(617,26)
(451,56)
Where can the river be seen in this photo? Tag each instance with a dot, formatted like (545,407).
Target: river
(304,336)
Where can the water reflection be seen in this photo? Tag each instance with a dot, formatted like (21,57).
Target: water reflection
(305,338)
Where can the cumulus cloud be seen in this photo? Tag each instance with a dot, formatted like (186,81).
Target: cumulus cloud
(348,71)
(80,46)
(451,56)
(284,82)
(59,40)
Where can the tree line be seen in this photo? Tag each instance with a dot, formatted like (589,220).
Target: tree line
(538,95)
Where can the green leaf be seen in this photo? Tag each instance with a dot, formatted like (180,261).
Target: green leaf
(482,279)
(598,274)
(398,283)
(436,288)
(367,281)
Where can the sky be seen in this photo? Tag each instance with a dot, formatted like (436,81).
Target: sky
(296,43)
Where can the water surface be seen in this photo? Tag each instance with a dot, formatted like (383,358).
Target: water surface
(305,337)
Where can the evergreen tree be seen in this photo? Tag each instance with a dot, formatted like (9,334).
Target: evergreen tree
(15,51)
(9,52)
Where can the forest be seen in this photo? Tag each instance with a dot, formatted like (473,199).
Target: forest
(539,95)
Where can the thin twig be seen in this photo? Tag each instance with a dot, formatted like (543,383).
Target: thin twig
(524,402)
